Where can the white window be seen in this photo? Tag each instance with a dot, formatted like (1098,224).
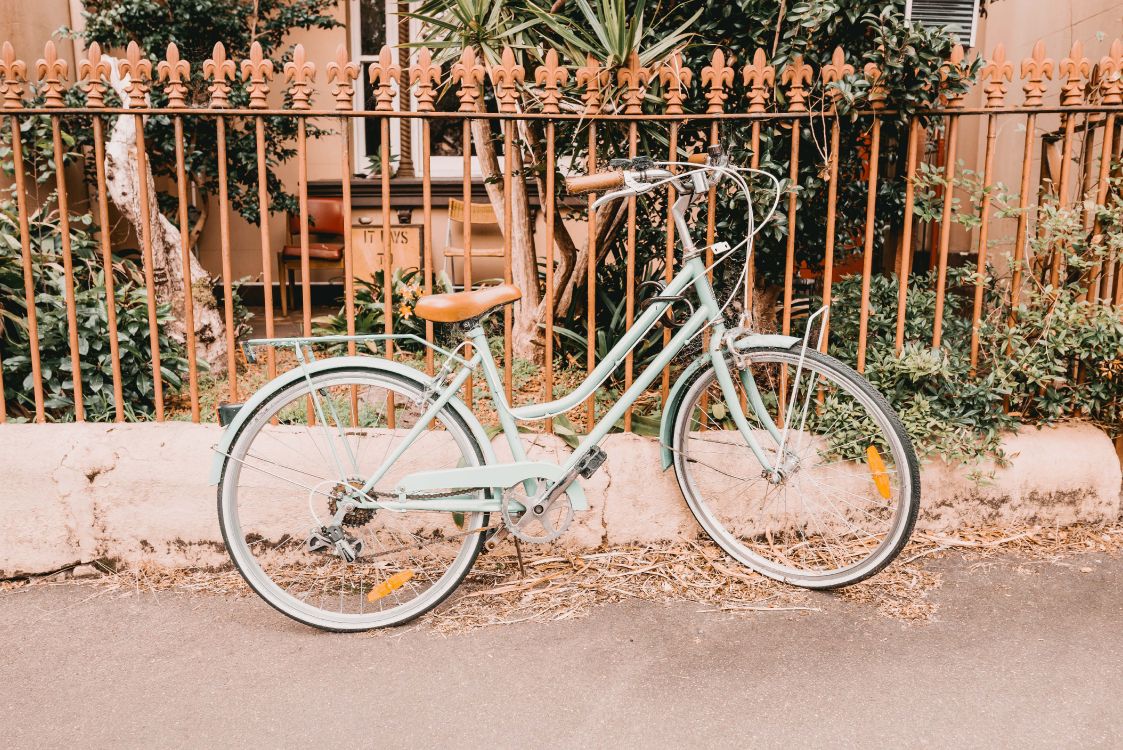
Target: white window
(373,24)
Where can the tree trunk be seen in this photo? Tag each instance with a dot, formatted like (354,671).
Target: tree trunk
(123,185)
(524,267)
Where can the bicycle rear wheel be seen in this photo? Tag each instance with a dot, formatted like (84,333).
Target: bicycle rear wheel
(847,496)
(287,470)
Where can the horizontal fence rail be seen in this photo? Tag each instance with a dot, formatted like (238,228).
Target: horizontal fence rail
(793,119)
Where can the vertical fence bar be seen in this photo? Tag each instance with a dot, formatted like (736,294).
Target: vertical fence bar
(997,71)
(634,78)
(758,77)
(258,71)
(905,266)
(52,73)
(675,78)
(1111,66)
(508,248)
(470,74)
(227,269)
(867,250)
(833,72)
(426,76)
(796,76)
(550,76)
(93,70)
(344,72)
(505,78)
(67,267)
(185,262)
(945,229)
(1073,67)
(28,272)
(551,167)
(383,74)
(221,71)
(1035,69)
(175,72)
(139,70)
(592,77)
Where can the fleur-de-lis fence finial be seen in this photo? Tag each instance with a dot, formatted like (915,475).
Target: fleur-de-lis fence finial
(13,75)
(835,71)
(877,92)
(426,75)
(551,77)
(220,71)
(174,72)
(997,72)
(138,68)
(257,72)
(384,73)
(675,78)
(759,77)
(593,78)
(955,63)
(715,77)
(1035,69)
(796,76)
(470,75)
(1075,68)
(634,78)
(94,71)
(1111,75)
(342,73)
(300,73)
(506,78)
(52,73)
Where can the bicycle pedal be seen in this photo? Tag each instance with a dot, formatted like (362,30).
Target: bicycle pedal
(592,461)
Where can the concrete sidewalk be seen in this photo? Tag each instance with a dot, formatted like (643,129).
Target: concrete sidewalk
(1020,654)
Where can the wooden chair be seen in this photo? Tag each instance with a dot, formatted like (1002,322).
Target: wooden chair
(325,247)
(482,215)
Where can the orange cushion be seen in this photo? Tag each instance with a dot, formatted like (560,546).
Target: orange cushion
(317,250)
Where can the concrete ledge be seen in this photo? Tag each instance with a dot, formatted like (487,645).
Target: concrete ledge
(138,492)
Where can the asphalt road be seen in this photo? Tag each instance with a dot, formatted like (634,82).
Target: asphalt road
(1029,658)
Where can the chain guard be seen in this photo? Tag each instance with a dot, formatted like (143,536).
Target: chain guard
(536,527)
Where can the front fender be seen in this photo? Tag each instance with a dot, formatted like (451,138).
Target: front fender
(373,363)
(674,398)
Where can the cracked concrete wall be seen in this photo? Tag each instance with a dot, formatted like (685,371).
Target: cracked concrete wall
(138,492)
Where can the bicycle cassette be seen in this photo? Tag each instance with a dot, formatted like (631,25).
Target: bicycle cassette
(541,520)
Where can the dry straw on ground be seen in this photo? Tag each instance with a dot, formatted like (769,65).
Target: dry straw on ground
(556,585)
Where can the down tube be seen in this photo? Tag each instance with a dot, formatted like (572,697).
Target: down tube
(689,330)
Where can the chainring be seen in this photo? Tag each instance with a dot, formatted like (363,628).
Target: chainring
(531,526)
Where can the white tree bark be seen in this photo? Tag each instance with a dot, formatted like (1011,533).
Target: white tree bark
(123,185)
(524,269)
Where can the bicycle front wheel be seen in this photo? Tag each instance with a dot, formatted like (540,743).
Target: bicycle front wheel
(845,497)
(299,455)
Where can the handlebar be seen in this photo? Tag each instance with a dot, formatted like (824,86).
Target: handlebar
(595,181)
(640,169)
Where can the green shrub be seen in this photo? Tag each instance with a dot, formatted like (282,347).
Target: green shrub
(93,325)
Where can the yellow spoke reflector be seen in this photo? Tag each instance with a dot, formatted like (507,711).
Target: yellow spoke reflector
(878,472)
(390,585)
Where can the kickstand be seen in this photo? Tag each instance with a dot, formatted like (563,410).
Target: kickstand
(519,556)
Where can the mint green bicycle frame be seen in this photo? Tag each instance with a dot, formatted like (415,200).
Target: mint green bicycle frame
(495,478)
(501,476)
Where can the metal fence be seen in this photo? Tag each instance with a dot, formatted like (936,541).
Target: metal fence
(1089,105)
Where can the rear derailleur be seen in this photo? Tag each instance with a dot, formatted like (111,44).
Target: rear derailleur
(335,539)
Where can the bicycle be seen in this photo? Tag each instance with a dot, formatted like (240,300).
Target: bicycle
(356,492)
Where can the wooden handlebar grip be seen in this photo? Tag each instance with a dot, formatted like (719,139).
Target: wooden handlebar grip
(595,181)
(699,158)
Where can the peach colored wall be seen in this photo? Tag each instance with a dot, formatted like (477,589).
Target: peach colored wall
(1018,24)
